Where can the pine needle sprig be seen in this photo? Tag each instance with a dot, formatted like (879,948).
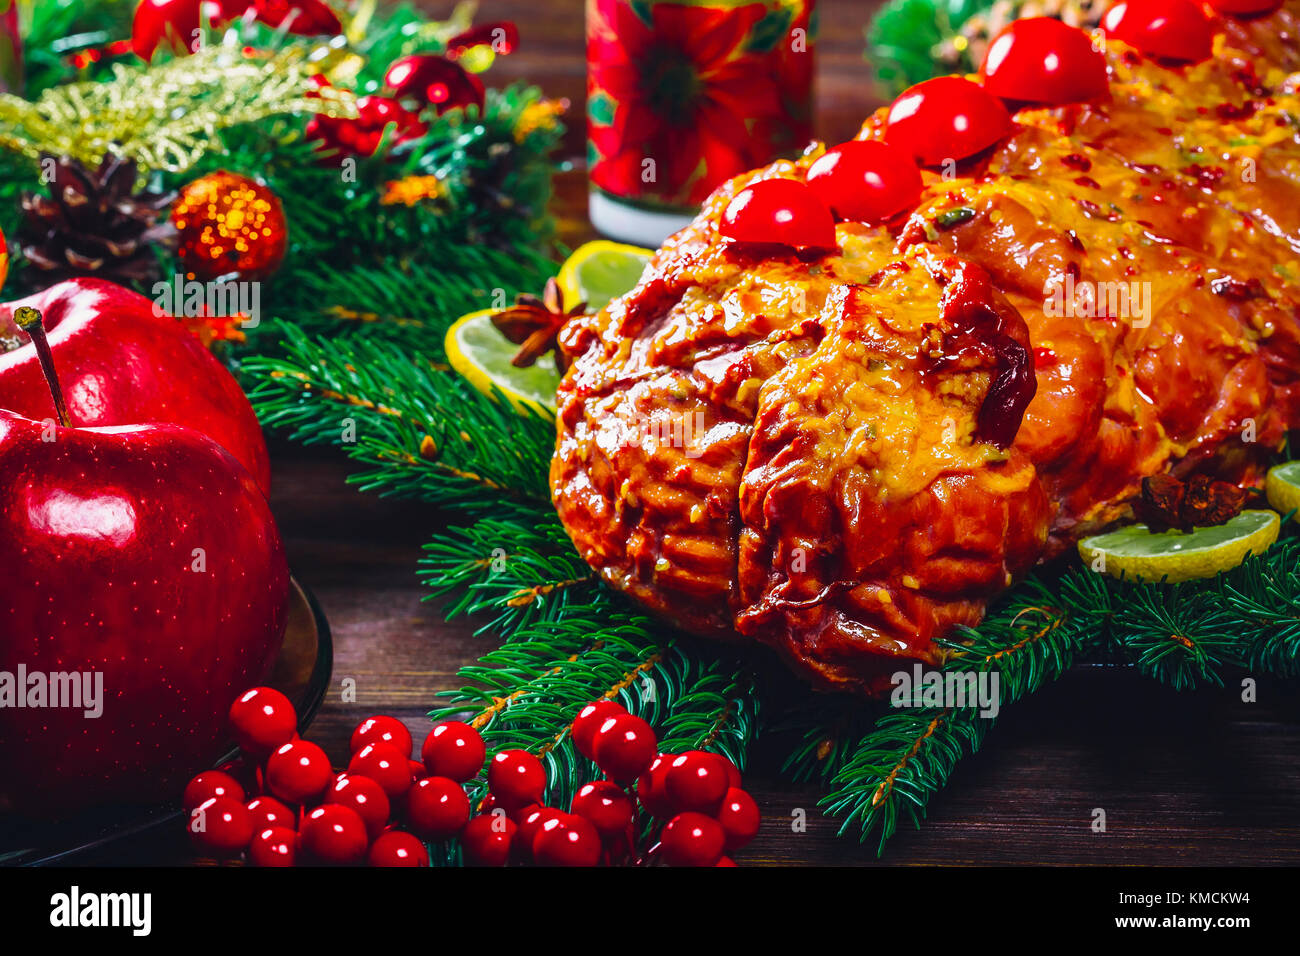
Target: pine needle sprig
(1179,636)
(425,433)
(1265,592)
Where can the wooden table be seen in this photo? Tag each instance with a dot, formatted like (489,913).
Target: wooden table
(1191,778)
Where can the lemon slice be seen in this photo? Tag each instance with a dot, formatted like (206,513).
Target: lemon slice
(1138,552)
(1282,486)
(601,271)
(482,354)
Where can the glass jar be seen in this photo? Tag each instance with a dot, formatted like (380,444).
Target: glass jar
(685,94)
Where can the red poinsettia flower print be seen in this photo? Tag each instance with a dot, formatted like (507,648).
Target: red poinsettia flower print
(683,90)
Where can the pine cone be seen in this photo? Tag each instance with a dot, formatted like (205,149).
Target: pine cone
(93,223)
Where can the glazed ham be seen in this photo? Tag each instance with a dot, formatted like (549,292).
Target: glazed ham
(848,456)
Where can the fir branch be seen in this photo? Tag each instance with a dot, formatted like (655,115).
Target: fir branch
(1265,593)
(425,433)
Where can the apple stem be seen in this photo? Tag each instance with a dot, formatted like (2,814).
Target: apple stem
(30,321)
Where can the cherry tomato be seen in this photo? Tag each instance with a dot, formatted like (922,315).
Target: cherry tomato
(947,118)
(1246,8)
(1042,60)
(866,181)
(781,212)
(1170,29)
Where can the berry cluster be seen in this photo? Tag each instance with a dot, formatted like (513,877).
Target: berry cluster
(283,803)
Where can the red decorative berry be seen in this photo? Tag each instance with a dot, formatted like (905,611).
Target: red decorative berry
(298,772)
(334,834)
(417,770)
(487,838)
(263,720)
(382,730)
(396,848)
(568,840)
(454,750)
(1246,9)
(364,796)
(516,778)
(1043,60)
(1176,30)
(209,784)
(376,115)
(273,846)
(529,827)
(270,812)
(739,819)
(652,788)
(782,212)
(385,765)
(733,773)
(866,181)
(431,80)
(220,826)
(697,781)
(624,747)
(946,119)
(692,839)
(302,17)
(437,808)
(176,24)
(604,803)
(588,722)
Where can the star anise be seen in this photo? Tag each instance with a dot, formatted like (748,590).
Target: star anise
(1199,502)
(534,325)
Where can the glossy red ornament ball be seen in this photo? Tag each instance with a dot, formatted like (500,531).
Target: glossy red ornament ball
(273,846)
(454,750)
(567,840)
(652,788)
(947,118)
(384,764)
(1042,60)
(866,181)
(610,810)
(396,848)
(298,772)
(624,747)
(692,839)
(220,826)
(230,225)
(588,721)
(263,719)
(782,212)
(269,812)
(364,796)
(1246,8)
(381,729)
(739,819)
(431,80)
(177,24)
(1177,30)
(516,778)
(487,838)
(697,781)
(377,117)
(437,808)
(334,834)
(301,17)
(209,784)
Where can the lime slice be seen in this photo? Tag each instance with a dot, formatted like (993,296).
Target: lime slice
(1137,552)
(601,271)
(1283,487)
(482,354)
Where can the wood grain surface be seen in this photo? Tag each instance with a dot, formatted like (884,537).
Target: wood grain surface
(1183,778)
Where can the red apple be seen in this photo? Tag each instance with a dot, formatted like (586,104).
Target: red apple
(146,554)
(123,363)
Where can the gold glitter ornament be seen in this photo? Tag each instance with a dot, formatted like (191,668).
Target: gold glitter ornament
(229,225)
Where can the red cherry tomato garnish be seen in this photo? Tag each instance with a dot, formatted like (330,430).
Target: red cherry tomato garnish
(781,212)
(1170,29)
(1042,60)
(1246,8)
(453,750)
(396,848)
(947,118)
(866,181)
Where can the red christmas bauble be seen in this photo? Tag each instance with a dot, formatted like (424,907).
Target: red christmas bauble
(229,225)
(1042,60)
(429,80)
(361,136)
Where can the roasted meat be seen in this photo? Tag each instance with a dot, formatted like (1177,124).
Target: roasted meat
(848,456)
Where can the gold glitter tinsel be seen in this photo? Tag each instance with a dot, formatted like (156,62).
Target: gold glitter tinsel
(412,190)
(544,114)
(229,224)
(168,115)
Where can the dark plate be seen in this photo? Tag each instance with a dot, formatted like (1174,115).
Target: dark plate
(302,672)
